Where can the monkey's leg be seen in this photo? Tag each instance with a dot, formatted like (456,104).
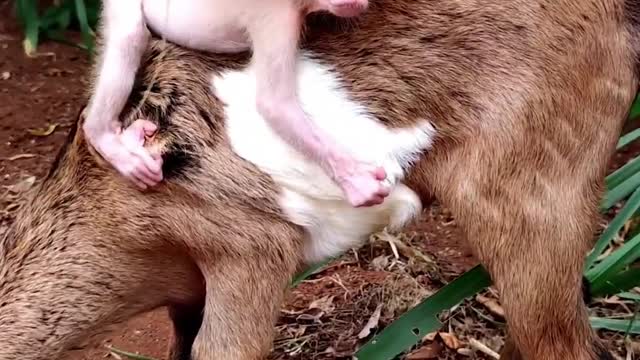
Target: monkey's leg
(187,320)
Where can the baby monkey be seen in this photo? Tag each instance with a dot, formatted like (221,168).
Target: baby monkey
(271,28)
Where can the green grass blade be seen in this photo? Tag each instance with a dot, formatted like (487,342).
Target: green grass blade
(621,191)
(614,263)
(56,35)
(630,326)
(617,282)
(629,296)
(412,326)
(635,108)
(87,33)
(28,14)
(55,17)
(623,173)
(631,136)
(310,271)
(626,213)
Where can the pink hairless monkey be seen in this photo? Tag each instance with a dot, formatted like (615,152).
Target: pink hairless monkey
(272,29)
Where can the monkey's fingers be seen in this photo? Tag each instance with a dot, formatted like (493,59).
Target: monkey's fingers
(142,175)
(384,191)
(134,138)
(145,174)
(376,200)
(153,164)
(379,173)
(138,183)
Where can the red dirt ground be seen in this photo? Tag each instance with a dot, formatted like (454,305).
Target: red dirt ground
(48,90)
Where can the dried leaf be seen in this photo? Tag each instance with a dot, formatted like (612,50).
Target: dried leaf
(372,323)
(313,315)
(324,304)
(21,156)
(317,309)
(431,351)
(492,305)
(634,346)
(338,354)
(465,352)
(380,263)
(43,132)
(450,340)
(430,336)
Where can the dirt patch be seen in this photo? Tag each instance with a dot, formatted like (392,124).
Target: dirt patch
(39,99)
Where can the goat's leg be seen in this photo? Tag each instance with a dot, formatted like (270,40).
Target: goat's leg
(244,295)
(531,227)
(53,301)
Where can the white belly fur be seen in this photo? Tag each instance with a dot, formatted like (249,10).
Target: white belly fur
(309,197)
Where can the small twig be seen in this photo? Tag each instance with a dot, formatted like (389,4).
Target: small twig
(128,354)
(394,247)
(633,319)
(338,281)
(20,156)
(477,345)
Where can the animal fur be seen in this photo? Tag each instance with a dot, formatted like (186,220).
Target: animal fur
(527,99)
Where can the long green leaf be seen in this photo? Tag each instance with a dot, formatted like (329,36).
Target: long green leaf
(87,33)
(625,326)
(614,227)
(56,17)
(310,271)
(617,282)
(28,14)
(623,173)
(412,326)
(629,296)
(635,108)
(631,136)
(620,192)
(614,263)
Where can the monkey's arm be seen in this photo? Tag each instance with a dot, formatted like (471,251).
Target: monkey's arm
(126,38)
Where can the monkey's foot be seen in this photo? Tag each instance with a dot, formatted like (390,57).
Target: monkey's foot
(125,151)
(363,185)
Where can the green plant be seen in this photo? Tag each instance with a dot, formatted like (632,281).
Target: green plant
(53,21)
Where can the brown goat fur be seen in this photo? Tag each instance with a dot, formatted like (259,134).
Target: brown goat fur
(528,98)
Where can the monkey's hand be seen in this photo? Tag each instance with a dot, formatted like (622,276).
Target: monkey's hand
(362,184)
(125,151)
